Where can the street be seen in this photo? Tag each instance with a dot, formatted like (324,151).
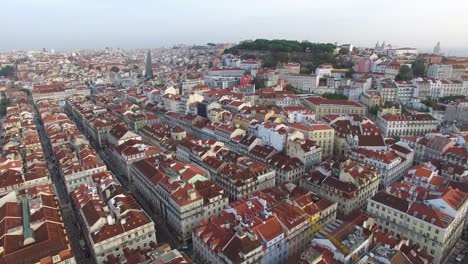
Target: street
(163,233)
(69,218)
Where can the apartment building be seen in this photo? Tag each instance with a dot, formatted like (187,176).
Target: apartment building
(349,184)
(322,134)
(239,175)
(113,220)
(57,91)
(406,124)
(306,150)
(440,71)
(248,232)
(178,192)
(353,131)
(35,232)
(434,224)
(346,241)
(322,106)
(302,82)
(388,90)
(392,164)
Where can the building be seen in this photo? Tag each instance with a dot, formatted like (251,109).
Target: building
(353,131)
(388,90)
(149,66)
(248,231)
(57,92)
(288,68)
(179,192)
(440,71)
(350,184)
(110,219)
(345,241)
(322,134)
(406,124)
(371,98)
(34,230)
(322,106)
(306,151)
(392,164)
(434,224)
(433,147)
(302,82)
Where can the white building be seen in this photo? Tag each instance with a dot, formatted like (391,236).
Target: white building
(440,71)
(407,124)
(302,82)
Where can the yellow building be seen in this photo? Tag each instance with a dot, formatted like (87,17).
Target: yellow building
(435,224)
(322,106)
(389,110)
(322,134)
(371,99)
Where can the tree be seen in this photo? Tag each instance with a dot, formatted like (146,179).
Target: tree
(3,104)
(405,74)
(98,68)
(419,67)
(7,71)
(374,110)
(344,51)
(115,69)
(350,73)
(259,83)
(334,96)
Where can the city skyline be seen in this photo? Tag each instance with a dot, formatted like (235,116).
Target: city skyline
(88,25)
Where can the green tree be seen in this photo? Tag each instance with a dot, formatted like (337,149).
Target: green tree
(4,102)
(405,74)
(259,83)
(343,51)
(114,69)
(374,110)
(350,73)
(334,96)
(419,67)
(98,68)
(7,71)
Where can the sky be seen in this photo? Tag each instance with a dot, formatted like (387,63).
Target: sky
(75,24)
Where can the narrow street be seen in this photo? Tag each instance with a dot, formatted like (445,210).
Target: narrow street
(163,232)
(69,217)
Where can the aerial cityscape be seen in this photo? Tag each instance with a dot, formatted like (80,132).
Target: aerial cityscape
(251,150)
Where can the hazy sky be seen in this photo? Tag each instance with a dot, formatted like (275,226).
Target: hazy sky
(70,24)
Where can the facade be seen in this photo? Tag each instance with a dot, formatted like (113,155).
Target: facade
(306,151)
(433,224)
(111,219)
(36,232)
(350,184)
(302,82)
(322,106)
(322,134)
(392,164)
(178,192)
(57,92)
(248,231)
(407,124)
(440,71)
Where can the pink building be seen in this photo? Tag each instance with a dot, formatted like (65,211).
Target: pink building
(362,66)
